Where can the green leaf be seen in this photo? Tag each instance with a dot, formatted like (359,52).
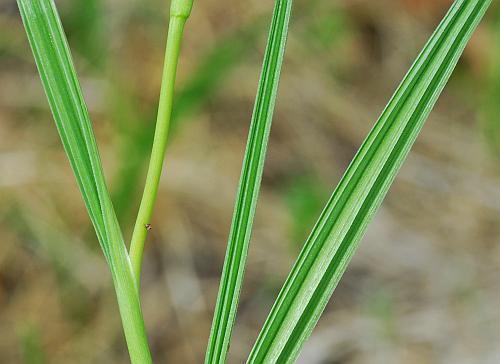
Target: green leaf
(52,55)
(335,237)
(248,191)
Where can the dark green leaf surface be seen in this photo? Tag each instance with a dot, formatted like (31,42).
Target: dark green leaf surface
(251,175)
(57,72)
(335,237)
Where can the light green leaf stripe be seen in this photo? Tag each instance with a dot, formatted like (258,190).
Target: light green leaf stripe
(51,51)
(341,225)
(248,191)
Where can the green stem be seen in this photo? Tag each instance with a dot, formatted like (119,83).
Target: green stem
(127,292)
(179,12)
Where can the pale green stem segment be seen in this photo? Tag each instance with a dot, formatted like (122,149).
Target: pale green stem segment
(248,191)
(179,12)
(53,58)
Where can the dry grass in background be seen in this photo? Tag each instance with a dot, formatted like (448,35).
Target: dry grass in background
(423,287)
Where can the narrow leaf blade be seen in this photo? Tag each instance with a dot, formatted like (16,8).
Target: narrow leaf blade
(60,82)
(248,191)
(53,58)
(343,222)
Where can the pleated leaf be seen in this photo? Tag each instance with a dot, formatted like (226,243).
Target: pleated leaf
(68,107)
(343,222)
(248,191)
(52,56)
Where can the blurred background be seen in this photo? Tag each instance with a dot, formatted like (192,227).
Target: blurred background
(424,285)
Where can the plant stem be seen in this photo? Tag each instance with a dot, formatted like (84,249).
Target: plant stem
(179,12)
(127,292)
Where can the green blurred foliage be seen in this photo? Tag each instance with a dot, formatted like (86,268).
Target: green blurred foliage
(491,90)
(31,345)
(305,197)
(84,22)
